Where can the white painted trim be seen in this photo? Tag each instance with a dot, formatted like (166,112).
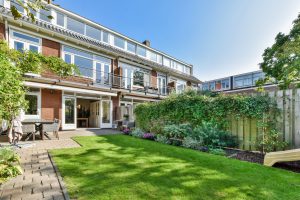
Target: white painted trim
(106,125)
(64,125)
(39,106)
(140,98)
(68,89)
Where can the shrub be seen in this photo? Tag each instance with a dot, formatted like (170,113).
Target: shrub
(126,131)
(162,139)
(217,151)
(137,132)
(157,126)
(192,143)
(211,136)
(9,163)
(149,136)
(270,141)
(178,131)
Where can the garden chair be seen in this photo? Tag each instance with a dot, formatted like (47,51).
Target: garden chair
(30,130)
(128,124)
(54,128)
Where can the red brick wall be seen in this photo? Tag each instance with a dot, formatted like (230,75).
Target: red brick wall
(2,31)
(115,104)
(51,104)
(153,79)
(50,48)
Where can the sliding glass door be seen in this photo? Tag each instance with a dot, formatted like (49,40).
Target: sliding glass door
(69,113)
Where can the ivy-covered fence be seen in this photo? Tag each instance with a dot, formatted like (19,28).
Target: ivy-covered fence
(248,117)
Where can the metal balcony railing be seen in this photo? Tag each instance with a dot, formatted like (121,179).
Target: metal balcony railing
(109,80)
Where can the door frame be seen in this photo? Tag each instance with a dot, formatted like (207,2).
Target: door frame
(64,125)
(106,125)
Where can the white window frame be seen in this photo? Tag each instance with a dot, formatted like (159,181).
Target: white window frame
(27,43)
(159,86)
(39,109)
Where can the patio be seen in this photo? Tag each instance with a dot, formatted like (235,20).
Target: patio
(39,179)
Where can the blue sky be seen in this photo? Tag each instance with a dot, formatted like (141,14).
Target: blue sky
(219,37)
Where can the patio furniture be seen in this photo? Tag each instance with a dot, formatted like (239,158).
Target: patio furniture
(281,156)
(128,124)
(38,125)
(29,129)
(54,128)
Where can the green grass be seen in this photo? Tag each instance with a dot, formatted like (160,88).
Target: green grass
(123,167)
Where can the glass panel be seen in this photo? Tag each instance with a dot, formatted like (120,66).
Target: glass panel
(98,72)
(138,78)
(69,111)
(212,86)
(153,56)
(103,59)
(131,47)
(68,58)
(167,62)
(78,52)
(187,70)
(25,37)
(106,74)
(32,105)
(141,51)
(106,112)
(159,59)
(44,15)
(19,46)
(93,32)
(33,48)
(225,84)
(85,66)
(119,42)
(74,25)
(17,5)
(127,77)
(60,19)
(105,36)
(180,67)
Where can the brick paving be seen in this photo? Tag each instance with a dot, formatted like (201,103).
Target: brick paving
(39,179)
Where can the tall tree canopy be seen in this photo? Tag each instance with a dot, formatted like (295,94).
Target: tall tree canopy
(281,61)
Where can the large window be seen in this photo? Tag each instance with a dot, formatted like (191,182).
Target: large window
(180,86)
(225,84)
(119,42)
(75,25)
(167,62)
(92,66)
(17,5)
(23,42)
(161,85)
(131,47)
(93,32)
(60,19)
(135,76)
(243,81)
(44,14)
(105,37)
(141,51)
(33,98)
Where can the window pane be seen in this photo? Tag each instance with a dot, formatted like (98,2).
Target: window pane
(69,111)
(33,48)
(159,59)
(141,51)
(167,62)
(138,78)
(153,56)
(105,36)
(19,46)
(119,42)
(74,25)
(187,70)
(17,5)
(60,19)
(106,74)
(131,47)
(105,111)
(68,58)
(93,32)
(44,15)
(78,52)
(32,104)
(25,37)
(85,66)
(98,72)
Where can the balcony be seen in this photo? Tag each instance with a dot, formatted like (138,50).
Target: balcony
(101,79)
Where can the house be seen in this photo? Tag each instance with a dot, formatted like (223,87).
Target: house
(240,83)
(117,72)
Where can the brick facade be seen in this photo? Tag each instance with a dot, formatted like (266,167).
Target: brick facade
(50,48)
(116,105)
(2,31)
(51,104)
(153,80)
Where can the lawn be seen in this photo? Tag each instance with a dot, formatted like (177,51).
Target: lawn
(123,167)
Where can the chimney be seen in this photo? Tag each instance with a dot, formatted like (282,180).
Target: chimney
(147,43)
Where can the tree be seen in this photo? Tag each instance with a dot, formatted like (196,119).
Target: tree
(13,66)
(281,61)
(30,8)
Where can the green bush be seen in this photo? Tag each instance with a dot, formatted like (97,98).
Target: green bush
(162,139)
(137,132)
(191,143)
(212,136)
(9,163)
(270,141)
(178,131)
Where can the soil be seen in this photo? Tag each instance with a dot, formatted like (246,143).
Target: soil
(257,157)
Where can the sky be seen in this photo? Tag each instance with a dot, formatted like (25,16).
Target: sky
(218,37)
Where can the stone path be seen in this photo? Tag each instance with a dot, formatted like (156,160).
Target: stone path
(39,179)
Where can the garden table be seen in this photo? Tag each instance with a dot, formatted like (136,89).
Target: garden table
(38,126)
